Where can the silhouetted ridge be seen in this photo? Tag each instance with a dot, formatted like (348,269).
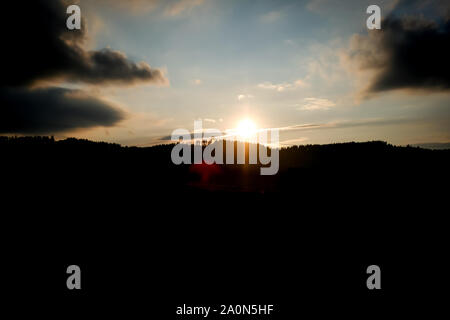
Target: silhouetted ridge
(71,162)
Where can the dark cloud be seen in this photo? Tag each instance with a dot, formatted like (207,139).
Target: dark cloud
(52,110)
(411,51)
(418,55)
(38,46)
(109,66)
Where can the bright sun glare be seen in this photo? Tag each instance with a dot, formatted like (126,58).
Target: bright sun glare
(245,129)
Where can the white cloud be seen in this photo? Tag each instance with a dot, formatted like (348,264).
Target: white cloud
(244,96)
(342,124)
(283,86)
(300,84)
(317,104)
(271,86)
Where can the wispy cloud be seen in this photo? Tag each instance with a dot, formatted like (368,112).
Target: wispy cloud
(271,16)
(138,7)
(283,86)
(182,6)
(317,104)
(292,142)
(244,96)
(133,6)
(372,122)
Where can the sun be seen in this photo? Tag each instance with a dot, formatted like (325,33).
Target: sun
(246,129)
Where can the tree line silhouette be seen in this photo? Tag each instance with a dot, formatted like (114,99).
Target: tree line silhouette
(72,161)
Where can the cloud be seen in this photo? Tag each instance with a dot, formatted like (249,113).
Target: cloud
(39,51)
(317,104)
(410,51)
(292,142)
(41,48)
(373,122)
(271,16)
(283,86)
(170,8)
(348,11)
(300,84)
(135,6)
(52,110)
(182,6)
(110,66)
(289,42)
(244,96)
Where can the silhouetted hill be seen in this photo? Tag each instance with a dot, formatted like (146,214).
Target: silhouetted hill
(72,161)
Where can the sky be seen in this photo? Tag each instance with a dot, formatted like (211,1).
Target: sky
(137,70)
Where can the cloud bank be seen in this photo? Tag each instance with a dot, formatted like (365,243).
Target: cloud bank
(44,111)
(38,50)
(40,47)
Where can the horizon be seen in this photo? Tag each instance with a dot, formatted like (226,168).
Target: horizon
(429,146)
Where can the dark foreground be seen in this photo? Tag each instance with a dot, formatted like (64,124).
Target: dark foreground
(150,236)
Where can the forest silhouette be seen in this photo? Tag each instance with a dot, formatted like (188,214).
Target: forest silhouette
(306,168)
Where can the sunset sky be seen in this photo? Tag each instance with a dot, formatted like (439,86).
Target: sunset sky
(310,68)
